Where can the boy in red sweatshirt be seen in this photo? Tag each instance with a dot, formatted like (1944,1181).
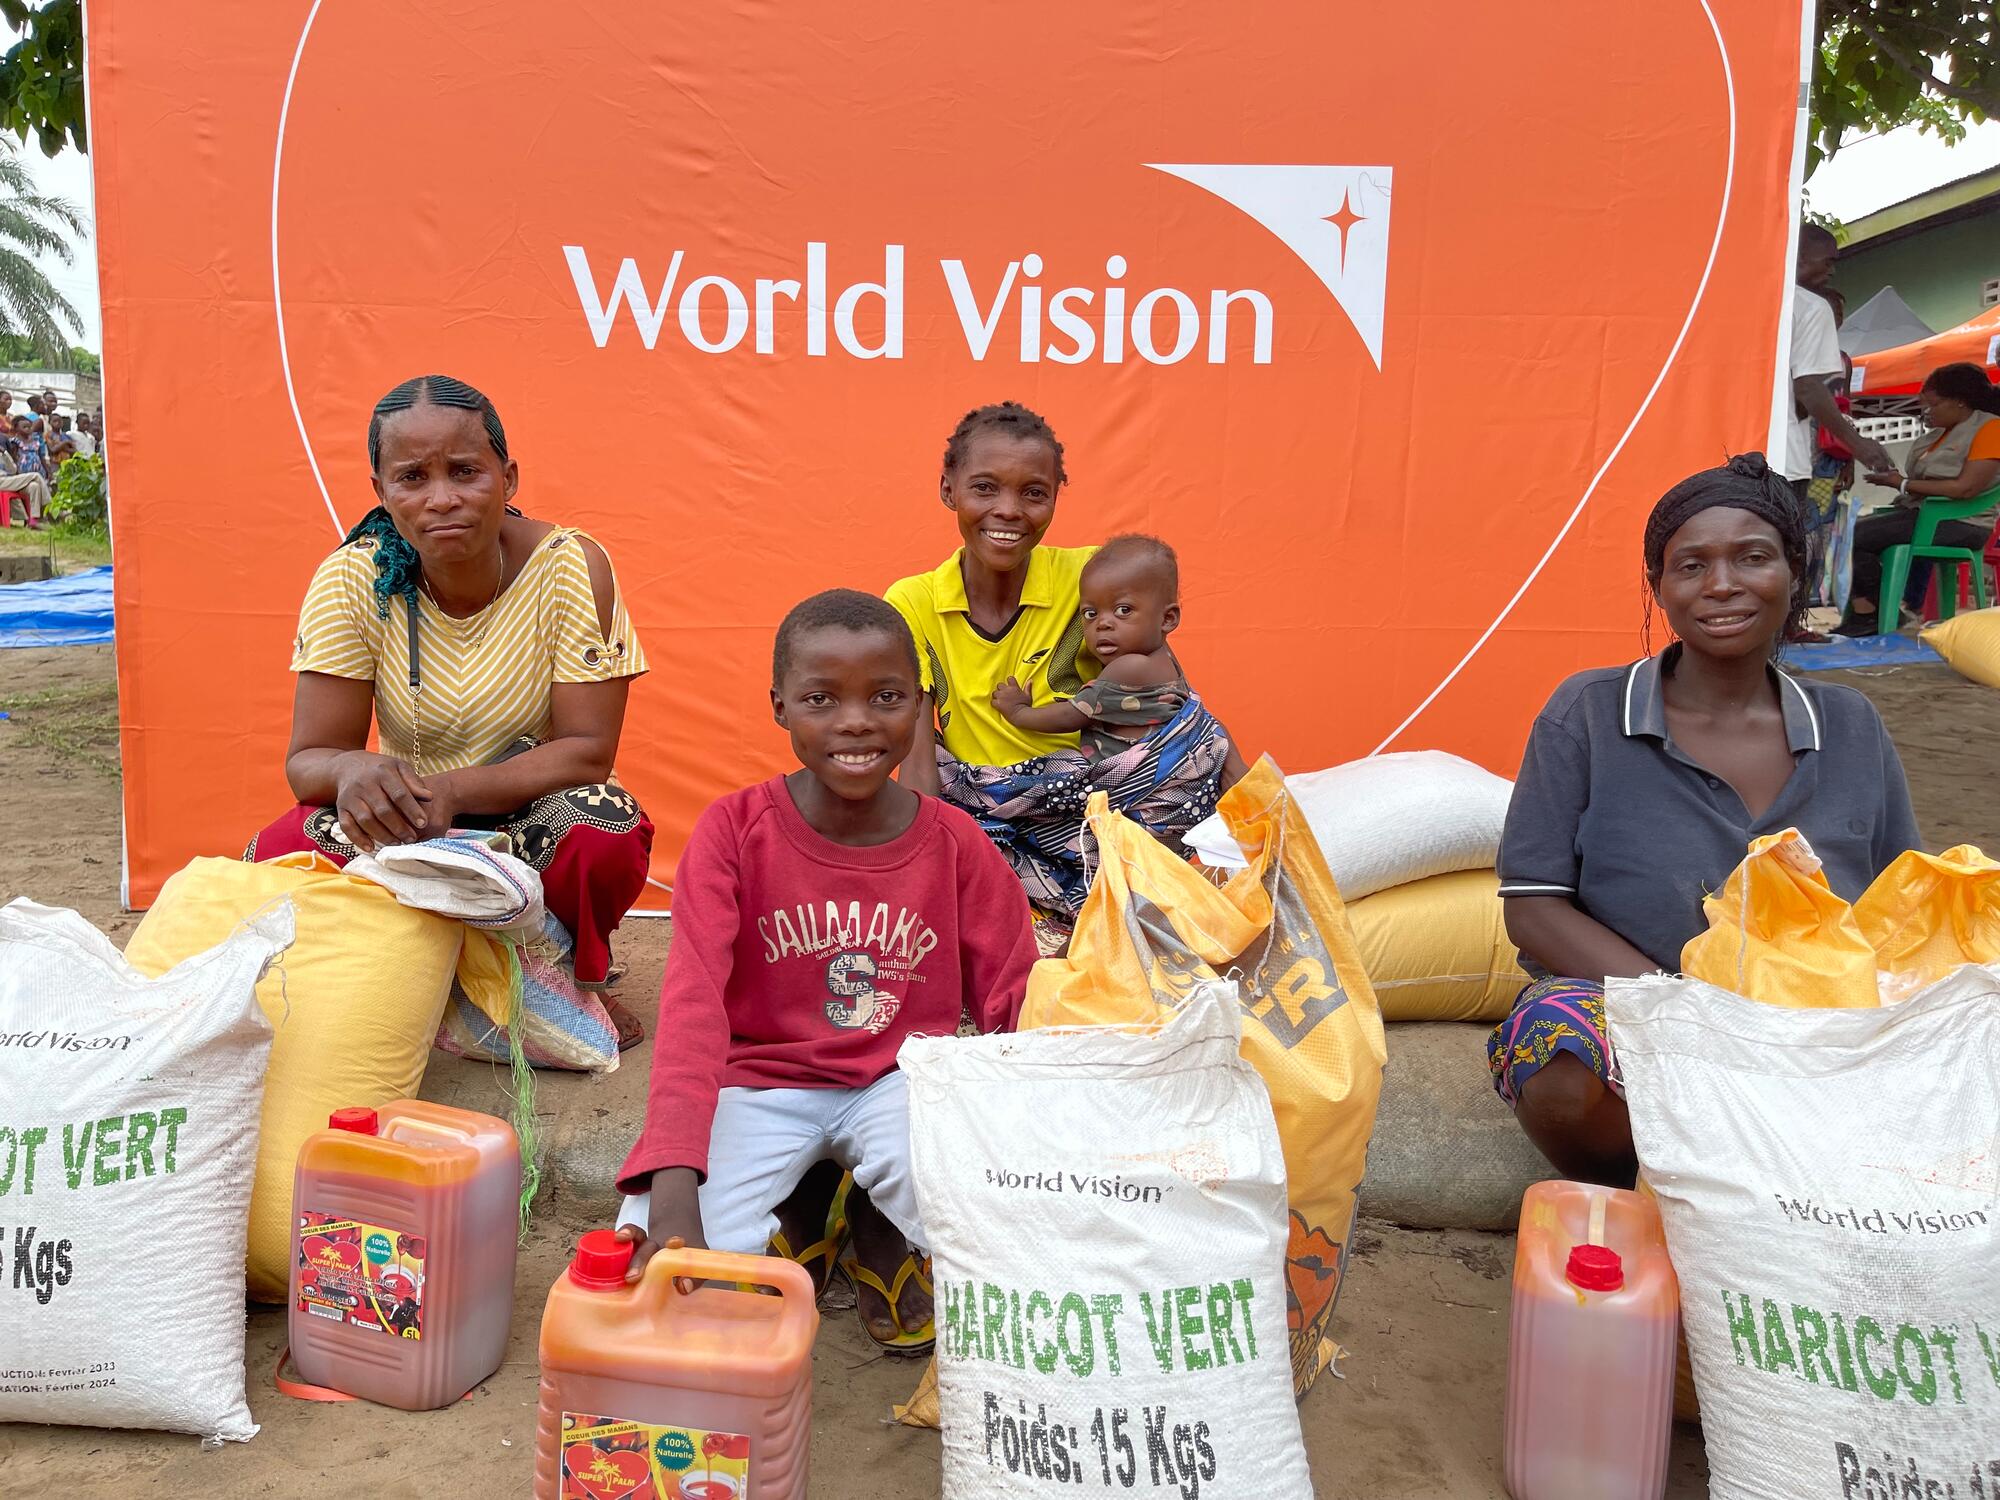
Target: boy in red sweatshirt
(819,918)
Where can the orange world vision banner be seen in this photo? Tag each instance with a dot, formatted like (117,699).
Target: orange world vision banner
(1394,320)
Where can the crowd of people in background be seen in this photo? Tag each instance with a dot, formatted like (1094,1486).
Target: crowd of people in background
(34,444)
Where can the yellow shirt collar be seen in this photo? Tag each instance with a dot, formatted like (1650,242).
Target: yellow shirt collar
(948,584)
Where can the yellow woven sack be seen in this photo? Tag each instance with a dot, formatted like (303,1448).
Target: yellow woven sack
(1970,643)
(1779,934)
(1437,949)
(1152,927)
(1927,914)
(354,1003)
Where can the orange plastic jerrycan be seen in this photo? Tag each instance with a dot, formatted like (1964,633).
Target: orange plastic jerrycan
(403,1228)
(1590,1357)
(659,1393)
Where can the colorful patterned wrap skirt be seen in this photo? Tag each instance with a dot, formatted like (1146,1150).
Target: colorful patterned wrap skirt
(1551,1016)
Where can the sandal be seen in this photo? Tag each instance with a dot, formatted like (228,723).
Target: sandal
(908,1343)
(823,1256)
(631,1030)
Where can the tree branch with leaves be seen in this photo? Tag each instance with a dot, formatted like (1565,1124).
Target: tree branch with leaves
(1887,63)
(41,75)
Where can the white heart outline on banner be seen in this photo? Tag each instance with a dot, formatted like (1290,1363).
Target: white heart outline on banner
(1687,323)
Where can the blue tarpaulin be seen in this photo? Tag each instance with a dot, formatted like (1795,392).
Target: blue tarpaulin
(1843,653)
(71,611)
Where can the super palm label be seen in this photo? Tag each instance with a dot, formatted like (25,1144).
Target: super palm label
(606,1458)
(366,1276)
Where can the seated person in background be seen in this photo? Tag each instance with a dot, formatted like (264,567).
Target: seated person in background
(1957,460)
(1642,787)
(819,919)
(30,490)
(32,457)
(1129,603)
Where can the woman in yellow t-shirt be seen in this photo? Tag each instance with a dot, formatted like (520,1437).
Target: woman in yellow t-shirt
(1004,608)
(1002,605)
(492,653)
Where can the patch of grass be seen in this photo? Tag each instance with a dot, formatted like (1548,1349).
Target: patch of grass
(73,547)
(78,726)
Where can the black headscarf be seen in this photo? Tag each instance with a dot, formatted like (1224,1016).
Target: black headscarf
(1746,482)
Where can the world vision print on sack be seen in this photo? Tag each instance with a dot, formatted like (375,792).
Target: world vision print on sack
(1153,928)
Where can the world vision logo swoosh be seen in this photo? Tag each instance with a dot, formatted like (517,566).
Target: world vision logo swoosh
(1335,219)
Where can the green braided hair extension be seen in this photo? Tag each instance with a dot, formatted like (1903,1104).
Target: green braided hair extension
(397,568)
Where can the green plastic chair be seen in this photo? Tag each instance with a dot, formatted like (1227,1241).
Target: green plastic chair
(1896,560)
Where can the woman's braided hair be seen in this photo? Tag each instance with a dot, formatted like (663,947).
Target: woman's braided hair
(1746,482)
(1010,417)
(397,567)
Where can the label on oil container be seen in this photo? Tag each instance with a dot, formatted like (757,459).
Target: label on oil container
(363,1275)
(604,1458)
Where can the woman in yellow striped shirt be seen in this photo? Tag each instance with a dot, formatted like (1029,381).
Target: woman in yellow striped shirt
(493,654)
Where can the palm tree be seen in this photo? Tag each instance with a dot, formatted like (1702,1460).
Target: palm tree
(31,224)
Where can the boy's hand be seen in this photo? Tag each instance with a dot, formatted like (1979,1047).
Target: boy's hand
(675,1213)
(1009,698)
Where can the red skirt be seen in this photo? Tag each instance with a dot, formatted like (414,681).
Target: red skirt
(590,844)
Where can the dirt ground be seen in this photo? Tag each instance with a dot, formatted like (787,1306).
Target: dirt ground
(1423,1315)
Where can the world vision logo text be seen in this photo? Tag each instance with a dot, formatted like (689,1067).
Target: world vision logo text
(1335,219)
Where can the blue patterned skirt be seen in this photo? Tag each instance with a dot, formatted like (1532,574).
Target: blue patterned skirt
(1033,812)
(1551,1016)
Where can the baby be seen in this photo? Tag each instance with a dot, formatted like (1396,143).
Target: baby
(1129,603)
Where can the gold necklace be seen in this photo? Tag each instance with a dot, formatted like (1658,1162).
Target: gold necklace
(477,638)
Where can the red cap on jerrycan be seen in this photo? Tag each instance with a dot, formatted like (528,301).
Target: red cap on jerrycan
(360,1121)
(600,1261)
(1594,1268)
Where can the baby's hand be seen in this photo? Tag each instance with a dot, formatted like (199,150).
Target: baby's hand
(1009,698)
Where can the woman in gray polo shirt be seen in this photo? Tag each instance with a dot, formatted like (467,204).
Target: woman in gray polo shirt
(1642,787)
